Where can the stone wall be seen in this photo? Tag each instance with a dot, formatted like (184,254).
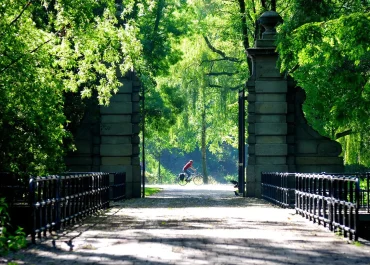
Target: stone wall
(108,138)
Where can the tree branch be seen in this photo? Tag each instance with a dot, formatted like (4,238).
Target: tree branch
(243,18)
(21,13)
(221,73)
(294,68)
(231,88)
(264,5)
(17,17)
(214,49)
(20,57)
(342,134)
(273,5)
(216,60)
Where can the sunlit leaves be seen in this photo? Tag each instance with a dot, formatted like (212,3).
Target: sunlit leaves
(330,58)
(48,48)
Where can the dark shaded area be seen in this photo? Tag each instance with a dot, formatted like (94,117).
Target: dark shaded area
(254,250)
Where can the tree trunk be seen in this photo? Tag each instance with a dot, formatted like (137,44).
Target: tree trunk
(204,147)
(160,7)
(273,5)
(159,169)
(245,31)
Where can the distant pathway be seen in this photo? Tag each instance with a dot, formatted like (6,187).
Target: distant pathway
(196,225)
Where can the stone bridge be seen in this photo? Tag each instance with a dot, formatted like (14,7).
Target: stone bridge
(194,225)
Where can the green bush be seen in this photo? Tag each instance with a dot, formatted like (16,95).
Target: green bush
(9,241)
(231,177)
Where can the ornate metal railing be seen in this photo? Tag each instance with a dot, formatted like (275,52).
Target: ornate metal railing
(58,201)
(51,203)
(330,200)
(364,189)
(278,188)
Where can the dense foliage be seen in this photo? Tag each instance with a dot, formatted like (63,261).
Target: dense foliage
(325,47)
(49,48)
(190,56)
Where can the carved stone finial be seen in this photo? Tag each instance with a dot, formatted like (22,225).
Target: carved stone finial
(269,20)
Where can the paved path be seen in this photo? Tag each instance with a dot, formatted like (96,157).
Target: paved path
(196,225)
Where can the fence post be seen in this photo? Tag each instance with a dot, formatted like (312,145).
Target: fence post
(57,203)
(32,205)
(357,198)
(368,191)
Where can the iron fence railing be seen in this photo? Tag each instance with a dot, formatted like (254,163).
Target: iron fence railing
(118,187)
(51,203)
(278,188)
(364,188)
(334,200)
(59,201)
(330,200)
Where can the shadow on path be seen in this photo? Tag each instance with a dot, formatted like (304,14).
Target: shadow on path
(195,226)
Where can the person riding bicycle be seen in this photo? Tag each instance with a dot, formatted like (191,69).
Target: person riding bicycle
(187,167)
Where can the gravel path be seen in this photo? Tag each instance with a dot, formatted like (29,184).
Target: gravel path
(196,225)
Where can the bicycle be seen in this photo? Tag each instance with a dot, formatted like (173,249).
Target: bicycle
(196,177)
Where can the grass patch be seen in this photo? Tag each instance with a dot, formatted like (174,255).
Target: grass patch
(358,244)
(150,191)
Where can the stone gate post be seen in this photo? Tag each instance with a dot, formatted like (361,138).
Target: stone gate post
(267,109)
(279,138)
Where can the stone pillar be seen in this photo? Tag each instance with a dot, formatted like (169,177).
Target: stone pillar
(108,140)
(87,140)
(267,109)
(280,140)
(119,148)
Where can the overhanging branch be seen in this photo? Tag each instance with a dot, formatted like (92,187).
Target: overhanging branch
(222,73)
(342,134)
(219,52)
(21,13)
(231,88)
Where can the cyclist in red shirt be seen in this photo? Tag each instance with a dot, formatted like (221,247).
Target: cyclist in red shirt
(187,167)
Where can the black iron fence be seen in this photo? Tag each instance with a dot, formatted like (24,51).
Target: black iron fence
(278,188)
(118,187)
(364,188)
(50,203)
(330,200)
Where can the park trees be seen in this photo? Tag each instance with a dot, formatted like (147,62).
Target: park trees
(190,55)
(49,48)
(325,48)
(207,79)
(322,45)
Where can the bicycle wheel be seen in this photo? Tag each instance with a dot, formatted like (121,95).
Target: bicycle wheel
(181,182)
(198,180)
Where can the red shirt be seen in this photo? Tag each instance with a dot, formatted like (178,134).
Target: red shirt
(188,165)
